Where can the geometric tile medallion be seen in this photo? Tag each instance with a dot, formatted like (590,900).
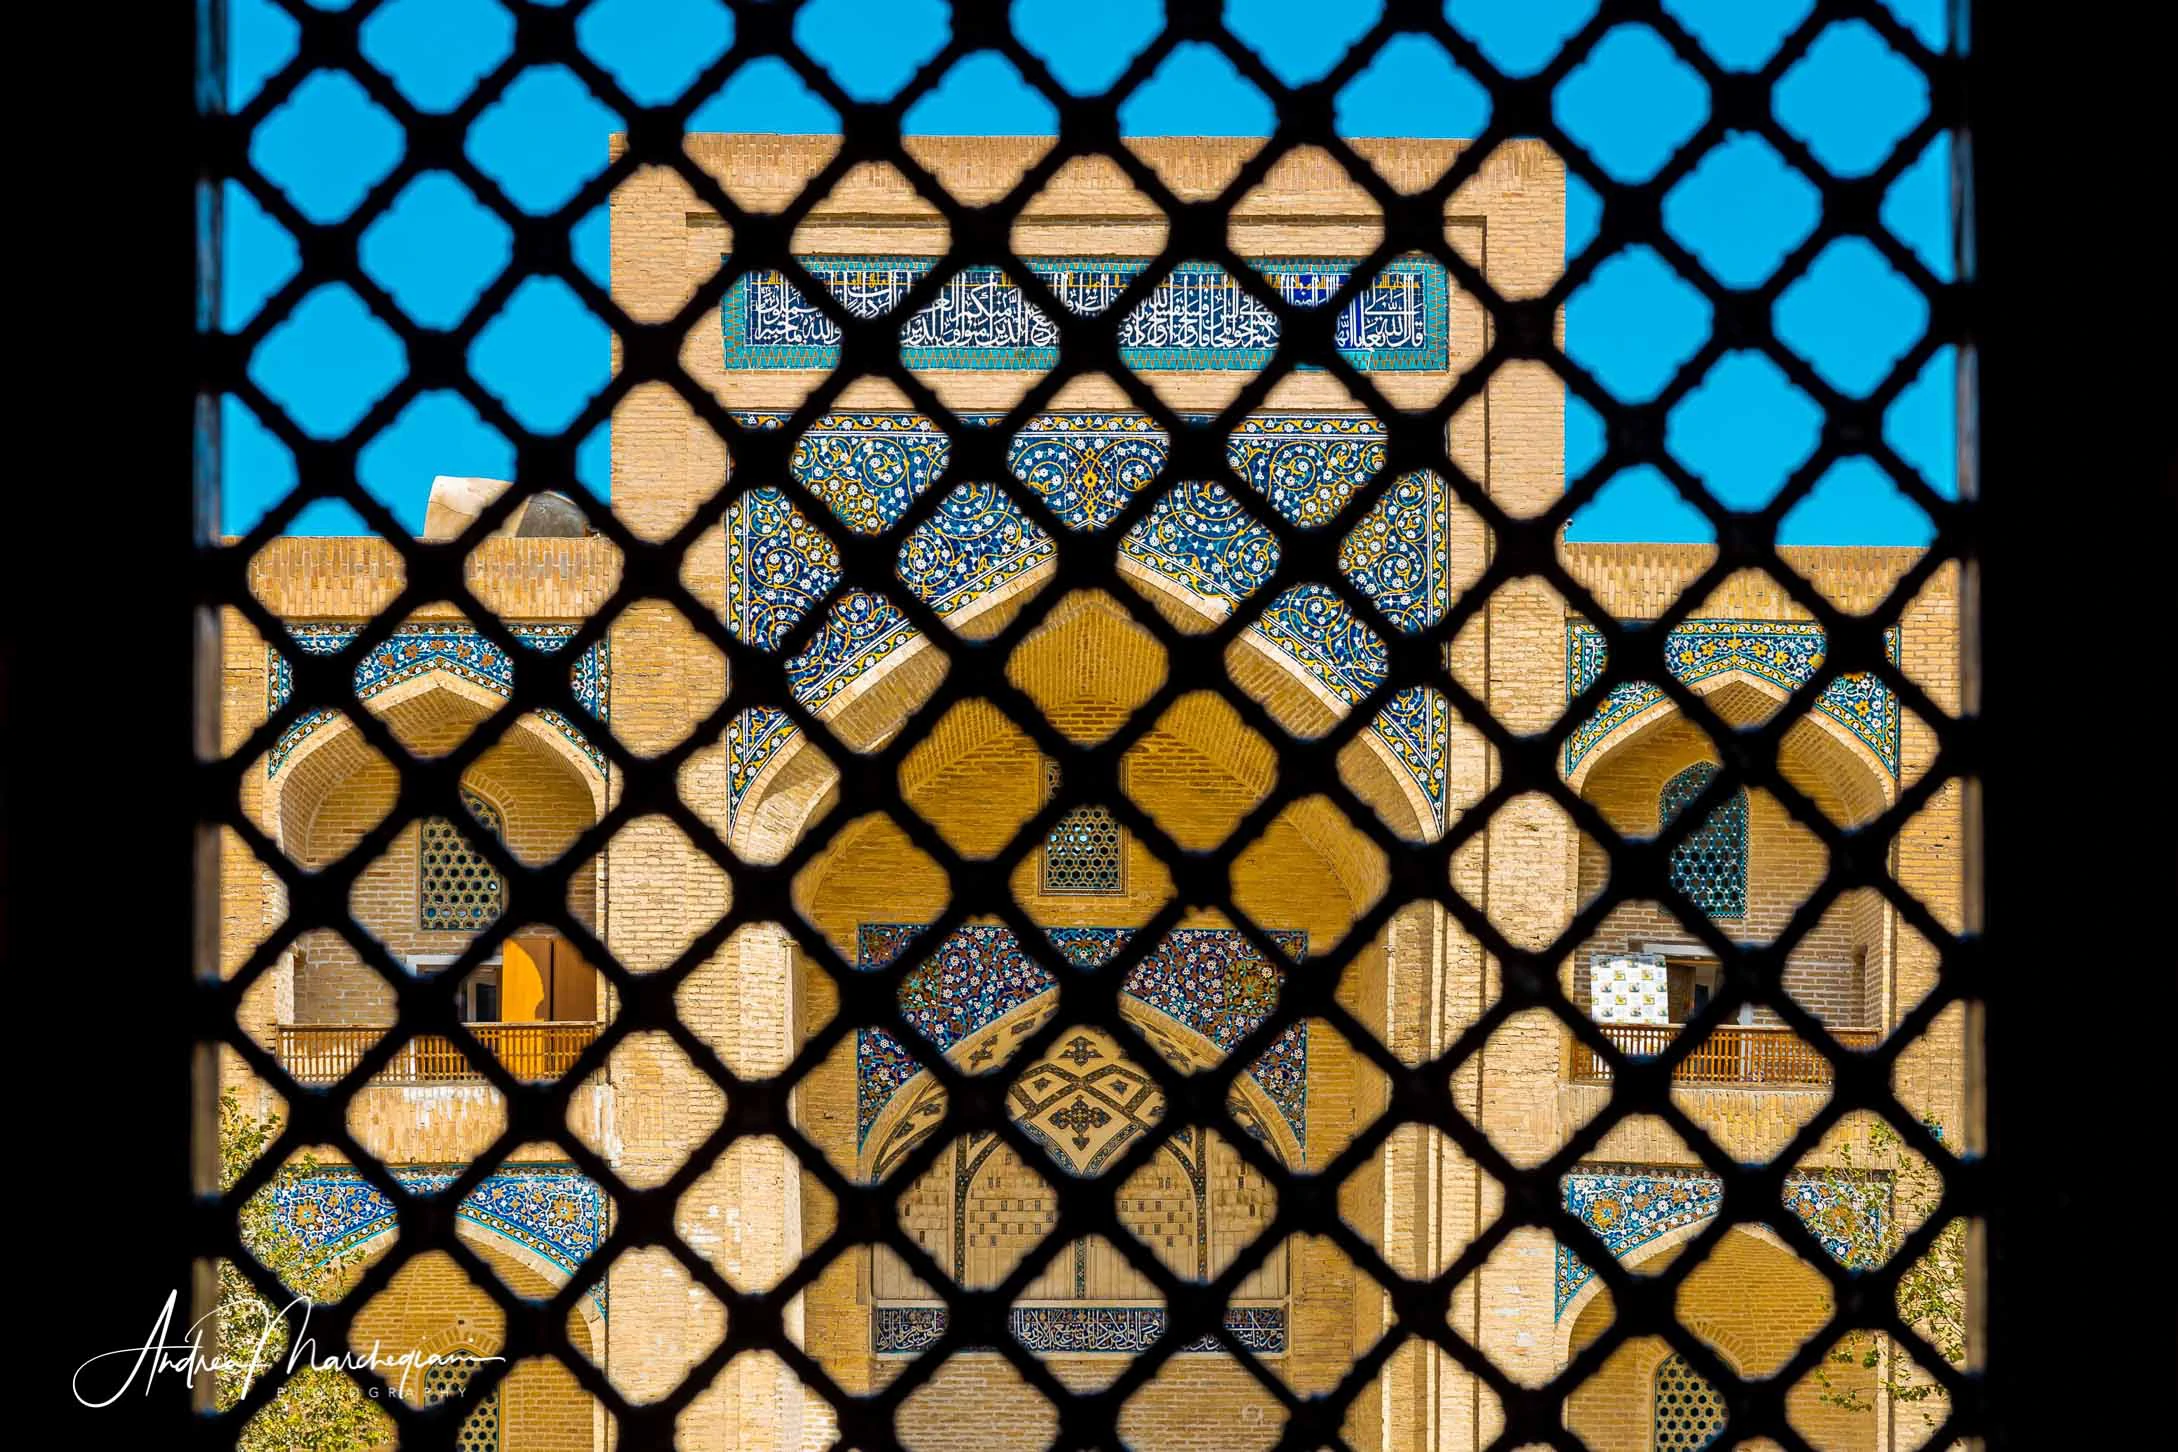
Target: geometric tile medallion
(1075,1330)
(552,1210)
(1208,979)
(1627,1208)
(1196,318)
(1786,653)
(417,648)
(866,468)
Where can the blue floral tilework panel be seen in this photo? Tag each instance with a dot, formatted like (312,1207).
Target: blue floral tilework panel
(420,647)
(1786,653)
(552,1210)
(1081,1330)
(1628,1208)
(1209,979)
(1198,318)
(867,468)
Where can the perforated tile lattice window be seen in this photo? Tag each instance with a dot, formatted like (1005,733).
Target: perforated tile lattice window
(1689,1413)
(1085,852)
(1709,864)
(448,1380)
(1285,578)
(457,887)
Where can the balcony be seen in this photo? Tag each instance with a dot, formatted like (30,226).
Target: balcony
(1737,1054)
(323,1053)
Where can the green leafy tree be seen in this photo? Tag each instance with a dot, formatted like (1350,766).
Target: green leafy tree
(1931,1292)
(318,1409)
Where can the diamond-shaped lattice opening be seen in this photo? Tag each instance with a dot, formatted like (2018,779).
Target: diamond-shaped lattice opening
(974,777)
(1634,292)
(872,53)
(1194,77)
(543,319)
(654,1071)
(1200,770)
(1417,1165)
(1411,87)
(539,138)
(407,40)
(1007,1406)
(1744,430)
(1199,337)
(1851,98)
(868,468)
(1086,51)
(326,146)
(1309,465)
(328,361)
(960,105)
(1085,460)
(655,50)
(1631,143)
(435,249)
(1087,665)
(699,1323)
(975,555)
(1310,841)
(1851,316)
(1742,210)
(1864,1376)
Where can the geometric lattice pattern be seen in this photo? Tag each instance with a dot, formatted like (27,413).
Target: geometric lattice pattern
(1324,580)
(457,888)
(1689,1413)
(1709,864)
(1083,853)
(448,1379)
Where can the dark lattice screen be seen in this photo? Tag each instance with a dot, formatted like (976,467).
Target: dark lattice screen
(1420,1093)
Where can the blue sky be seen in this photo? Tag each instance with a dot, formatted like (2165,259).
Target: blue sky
(1743,430)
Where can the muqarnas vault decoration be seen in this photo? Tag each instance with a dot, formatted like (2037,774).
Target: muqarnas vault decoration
(1208,980)
(868,467)
(1196,317)
(1786,653)
(553,1211)
(418,648)
(1627,1208)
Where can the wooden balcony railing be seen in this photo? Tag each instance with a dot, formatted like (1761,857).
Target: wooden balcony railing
(321,1053)
(1732,1054)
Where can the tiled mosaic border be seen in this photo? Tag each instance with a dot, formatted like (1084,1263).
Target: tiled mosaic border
(552,1210)
(418,648)
(1786,653)
(1296,278)
(1629,1207)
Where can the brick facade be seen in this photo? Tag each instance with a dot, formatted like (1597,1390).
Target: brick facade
(652,891)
